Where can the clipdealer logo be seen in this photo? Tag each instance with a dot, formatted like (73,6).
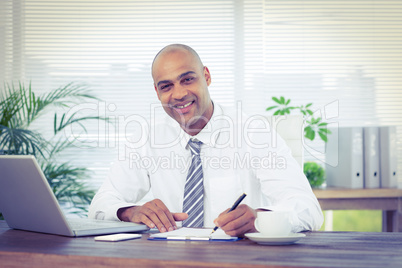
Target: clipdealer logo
(134,131)
(127,133)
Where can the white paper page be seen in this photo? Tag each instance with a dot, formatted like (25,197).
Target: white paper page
(188,233)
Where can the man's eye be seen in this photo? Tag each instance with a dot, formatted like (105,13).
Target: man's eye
(164,87)
(188,79)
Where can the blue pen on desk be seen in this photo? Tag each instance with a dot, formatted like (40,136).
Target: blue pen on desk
(238,201)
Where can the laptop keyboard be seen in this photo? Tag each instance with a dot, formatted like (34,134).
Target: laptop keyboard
(82,223)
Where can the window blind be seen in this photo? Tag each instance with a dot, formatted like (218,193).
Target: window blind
(110,45)
(343,56)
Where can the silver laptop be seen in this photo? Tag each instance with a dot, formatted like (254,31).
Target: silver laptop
(28,203)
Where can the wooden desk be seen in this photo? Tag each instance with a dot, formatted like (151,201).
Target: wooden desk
(387,200)
(317,249)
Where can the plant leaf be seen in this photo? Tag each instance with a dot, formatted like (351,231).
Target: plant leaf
(271,107)
(323,136)
(275,99)
(309,133)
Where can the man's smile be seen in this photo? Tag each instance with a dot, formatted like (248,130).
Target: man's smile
(183,107)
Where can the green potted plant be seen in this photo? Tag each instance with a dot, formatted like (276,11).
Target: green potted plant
(314,127)
(315,174)
(19,108)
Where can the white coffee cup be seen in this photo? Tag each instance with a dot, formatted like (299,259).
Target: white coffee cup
(273,223)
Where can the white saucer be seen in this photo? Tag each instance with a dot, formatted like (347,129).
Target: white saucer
(279,240)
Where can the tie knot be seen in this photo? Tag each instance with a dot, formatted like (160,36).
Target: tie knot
(195,146)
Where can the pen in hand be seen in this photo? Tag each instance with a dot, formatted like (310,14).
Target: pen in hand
(238,201)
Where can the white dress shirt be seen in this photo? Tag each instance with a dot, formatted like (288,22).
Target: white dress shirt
(239,154)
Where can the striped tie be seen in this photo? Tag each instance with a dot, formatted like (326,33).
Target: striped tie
(193,203)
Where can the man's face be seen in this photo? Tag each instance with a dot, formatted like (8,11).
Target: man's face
(181,83)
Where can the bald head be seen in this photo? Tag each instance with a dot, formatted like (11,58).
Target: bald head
(169,49)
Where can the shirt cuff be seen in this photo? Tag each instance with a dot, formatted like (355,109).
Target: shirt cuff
(110,214)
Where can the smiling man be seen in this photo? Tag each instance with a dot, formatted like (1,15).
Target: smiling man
(181,83)
(222,162)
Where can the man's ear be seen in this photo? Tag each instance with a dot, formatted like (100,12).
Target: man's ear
(207,75)
(157,92)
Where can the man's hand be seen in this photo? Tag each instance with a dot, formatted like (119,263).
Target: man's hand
(238,221)
(154,213)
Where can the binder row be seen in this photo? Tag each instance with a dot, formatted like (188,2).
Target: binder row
(362,157)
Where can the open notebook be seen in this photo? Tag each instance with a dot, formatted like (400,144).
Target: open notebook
(196,234)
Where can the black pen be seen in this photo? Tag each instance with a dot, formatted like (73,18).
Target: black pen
(238,201)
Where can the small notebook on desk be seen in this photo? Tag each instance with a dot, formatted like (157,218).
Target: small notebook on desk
(193,234)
